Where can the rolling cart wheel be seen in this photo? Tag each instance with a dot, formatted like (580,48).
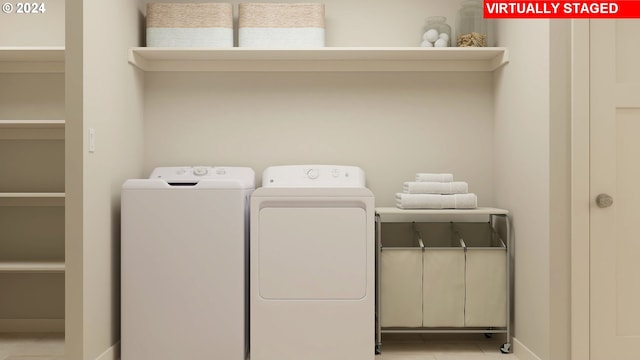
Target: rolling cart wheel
(505,348)
(488,335)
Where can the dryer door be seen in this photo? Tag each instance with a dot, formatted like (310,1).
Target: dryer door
(309,253)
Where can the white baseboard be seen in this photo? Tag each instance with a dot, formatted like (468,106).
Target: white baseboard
(522,352)
(112,353)
(31,325)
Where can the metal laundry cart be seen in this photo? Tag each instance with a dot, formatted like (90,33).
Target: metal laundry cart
(443,271)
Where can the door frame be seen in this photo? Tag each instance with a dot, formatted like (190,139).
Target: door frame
(580,191)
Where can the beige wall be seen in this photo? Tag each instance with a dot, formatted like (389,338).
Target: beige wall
(41,29)
(532,177)
(522,176)
(560,191)
(74,180)
(105,95)
(390,124)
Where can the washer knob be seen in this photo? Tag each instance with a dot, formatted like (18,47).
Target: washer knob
(313,173)
(200,171)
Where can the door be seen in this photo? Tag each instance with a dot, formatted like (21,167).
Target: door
(312,253)
(615,171)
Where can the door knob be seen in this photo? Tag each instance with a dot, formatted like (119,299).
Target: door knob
(604,200)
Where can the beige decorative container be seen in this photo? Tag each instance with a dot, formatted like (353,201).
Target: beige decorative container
(280,25)
(189,25)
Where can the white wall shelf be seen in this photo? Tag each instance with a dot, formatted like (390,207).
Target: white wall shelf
(322,59)
(32,129)
(32,199)
(47,59)
(32,267)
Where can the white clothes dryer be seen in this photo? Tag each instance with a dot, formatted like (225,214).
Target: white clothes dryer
(184,264)
(312,265)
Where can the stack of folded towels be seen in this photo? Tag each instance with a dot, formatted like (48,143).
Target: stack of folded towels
(436,191)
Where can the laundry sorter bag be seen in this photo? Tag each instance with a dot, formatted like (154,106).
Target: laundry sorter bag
(400,277)
(443,286)
(485,276)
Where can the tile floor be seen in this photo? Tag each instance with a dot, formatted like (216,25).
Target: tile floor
(394,347)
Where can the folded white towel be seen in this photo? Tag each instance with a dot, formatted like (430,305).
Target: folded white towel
(429,187)
(435,201)
(434,177)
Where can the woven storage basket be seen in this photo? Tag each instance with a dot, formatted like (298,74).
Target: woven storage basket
(189,25)
(280,25)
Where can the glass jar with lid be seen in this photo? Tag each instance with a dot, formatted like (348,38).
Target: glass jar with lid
(471,26)
(437,33)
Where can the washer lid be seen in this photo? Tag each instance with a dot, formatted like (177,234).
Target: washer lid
(244,177)
(313,176)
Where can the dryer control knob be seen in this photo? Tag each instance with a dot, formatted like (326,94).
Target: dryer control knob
(200,171)
(313,173)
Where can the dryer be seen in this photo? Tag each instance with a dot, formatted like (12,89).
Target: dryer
(312,265)
(184,264)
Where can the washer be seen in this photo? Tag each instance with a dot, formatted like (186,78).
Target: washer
(184,264)
(312,265)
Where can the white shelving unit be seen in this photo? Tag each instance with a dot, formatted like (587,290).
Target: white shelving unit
(31,267)
(45,59)
(31,129)
(32,124)
(350,59)
(32,201)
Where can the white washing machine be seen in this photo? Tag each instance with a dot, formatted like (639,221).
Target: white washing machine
(184,264)
(312,265)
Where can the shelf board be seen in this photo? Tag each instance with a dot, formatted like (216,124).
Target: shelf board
(394,214)
(32,267)
(319,59)
(46,59)
(31,199)
(31,124)
(32,129)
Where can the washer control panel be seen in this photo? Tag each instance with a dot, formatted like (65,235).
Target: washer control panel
(313,176)
(191,174)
